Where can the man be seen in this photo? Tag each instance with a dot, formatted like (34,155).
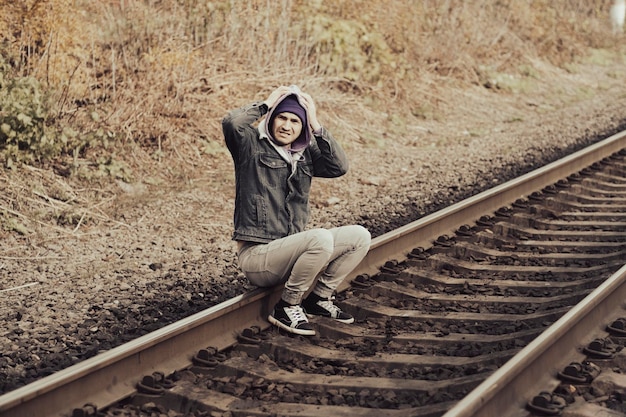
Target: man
(274,165)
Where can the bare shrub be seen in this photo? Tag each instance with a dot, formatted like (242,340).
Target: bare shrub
(157,75)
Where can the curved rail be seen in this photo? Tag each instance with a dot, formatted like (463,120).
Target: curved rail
(118,369)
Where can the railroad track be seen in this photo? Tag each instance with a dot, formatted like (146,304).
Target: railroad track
(497,305)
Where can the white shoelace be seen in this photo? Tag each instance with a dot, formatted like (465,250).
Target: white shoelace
(296,314)
(331,307)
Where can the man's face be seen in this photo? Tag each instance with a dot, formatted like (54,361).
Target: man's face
(286,128)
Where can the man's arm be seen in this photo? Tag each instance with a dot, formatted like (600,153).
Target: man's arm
(329,158)
(238,124)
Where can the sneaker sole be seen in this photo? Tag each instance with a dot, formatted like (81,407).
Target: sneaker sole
(346,321)
(302,332)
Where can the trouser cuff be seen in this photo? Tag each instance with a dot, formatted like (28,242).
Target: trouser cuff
(323,291)
(292,297)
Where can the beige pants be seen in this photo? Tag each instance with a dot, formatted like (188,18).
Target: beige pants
(325,255)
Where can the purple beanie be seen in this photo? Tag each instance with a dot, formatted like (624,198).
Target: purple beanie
(291,104)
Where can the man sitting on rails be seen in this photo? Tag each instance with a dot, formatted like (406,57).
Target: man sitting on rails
(274,166)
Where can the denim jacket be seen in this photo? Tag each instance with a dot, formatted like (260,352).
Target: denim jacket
(272,198)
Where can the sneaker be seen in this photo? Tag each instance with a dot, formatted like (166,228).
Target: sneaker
(292,319)
(318,306)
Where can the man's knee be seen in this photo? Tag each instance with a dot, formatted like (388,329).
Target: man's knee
(321,239)
(362,236)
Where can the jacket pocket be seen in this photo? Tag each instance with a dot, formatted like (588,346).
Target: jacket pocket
(273,171)
(272,162)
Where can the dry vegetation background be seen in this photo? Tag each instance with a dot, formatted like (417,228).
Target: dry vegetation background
(98,95)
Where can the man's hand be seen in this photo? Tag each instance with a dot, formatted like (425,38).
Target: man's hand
(276,94)
(311,111)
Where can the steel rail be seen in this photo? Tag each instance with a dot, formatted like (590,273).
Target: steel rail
(172,347)
(447,220)
(512,385)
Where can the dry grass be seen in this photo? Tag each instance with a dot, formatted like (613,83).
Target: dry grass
(157,75)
